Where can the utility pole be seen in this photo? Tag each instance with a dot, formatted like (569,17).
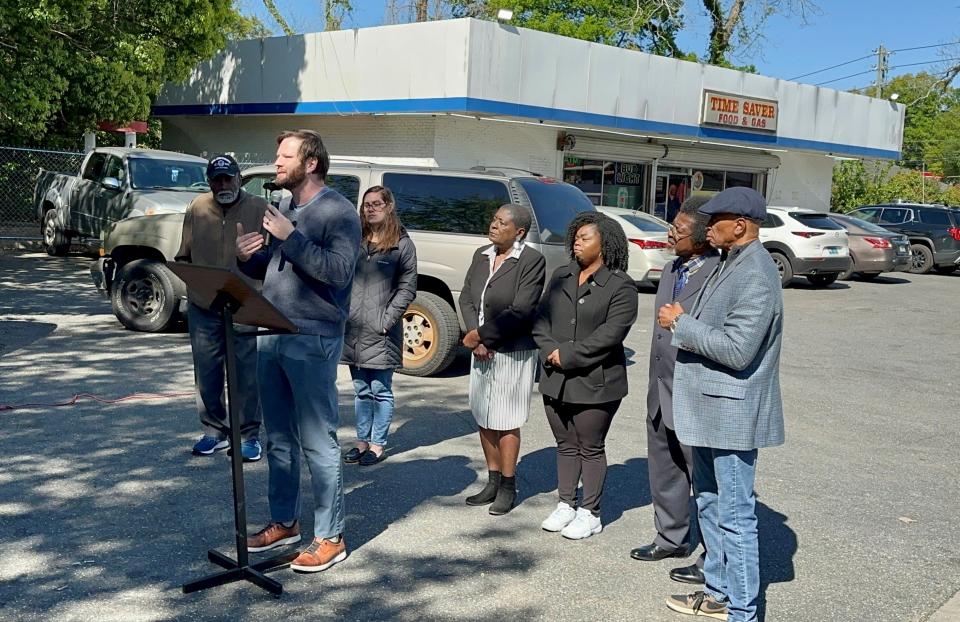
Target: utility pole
(882,65)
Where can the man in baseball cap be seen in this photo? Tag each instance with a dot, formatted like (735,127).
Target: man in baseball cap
(209,238)
(223,173)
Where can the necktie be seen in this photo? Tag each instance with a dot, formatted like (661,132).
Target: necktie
(682,275)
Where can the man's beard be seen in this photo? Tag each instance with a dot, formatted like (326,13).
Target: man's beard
(226,197)
(294,178)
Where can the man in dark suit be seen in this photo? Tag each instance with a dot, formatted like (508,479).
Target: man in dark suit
(670,462)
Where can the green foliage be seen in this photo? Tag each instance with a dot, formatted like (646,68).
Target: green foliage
(67,64)
(856,184)
(931,132)
(649,25)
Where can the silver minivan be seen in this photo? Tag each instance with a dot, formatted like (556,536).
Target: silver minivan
(447,213)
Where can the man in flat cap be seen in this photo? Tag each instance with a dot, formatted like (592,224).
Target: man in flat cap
(209,238)
(726,400)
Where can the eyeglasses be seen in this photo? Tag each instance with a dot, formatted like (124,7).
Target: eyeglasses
(675,234)
(374,205)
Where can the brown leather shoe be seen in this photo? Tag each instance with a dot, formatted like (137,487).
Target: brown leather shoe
(272,536)
(320,555)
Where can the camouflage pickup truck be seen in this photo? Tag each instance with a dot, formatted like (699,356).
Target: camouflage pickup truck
(114,183)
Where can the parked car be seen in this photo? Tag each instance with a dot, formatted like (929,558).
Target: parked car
(933,230)
(447,213)
(873,249)
(114,183)
(649,248)
(803,242)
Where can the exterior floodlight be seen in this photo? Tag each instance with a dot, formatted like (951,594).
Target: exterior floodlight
(894,97)
(504,15)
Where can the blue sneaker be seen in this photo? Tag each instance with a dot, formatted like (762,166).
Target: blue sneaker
(251,450)
(210,444)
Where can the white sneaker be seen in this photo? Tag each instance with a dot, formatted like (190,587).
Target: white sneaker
(583,526)
(560,518)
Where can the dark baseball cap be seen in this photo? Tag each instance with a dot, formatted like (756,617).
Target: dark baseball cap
(222,165)
(745,202)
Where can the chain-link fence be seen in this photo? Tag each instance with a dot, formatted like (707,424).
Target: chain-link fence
(18,175)
(19,167)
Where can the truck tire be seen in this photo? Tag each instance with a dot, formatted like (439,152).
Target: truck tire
(143,296)
(431,334)
(921,259)
(783,267)
(55,241)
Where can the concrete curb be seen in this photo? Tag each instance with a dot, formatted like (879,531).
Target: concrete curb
(949,612)
(21,244)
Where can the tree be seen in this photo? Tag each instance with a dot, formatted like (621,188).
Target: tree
(649,25)
(334,12)
(67,64)
(738,24)
(278,17)
(931,132)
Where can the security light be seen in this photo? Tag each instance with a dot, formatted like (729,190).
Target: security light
(504,15)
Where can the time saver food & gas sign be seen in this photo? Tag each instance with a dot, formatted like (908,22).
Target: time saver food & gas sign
(749,113)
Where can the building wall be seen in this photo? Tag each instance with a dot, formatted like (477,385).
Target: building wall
(407,139)
(464,143)
(803,180)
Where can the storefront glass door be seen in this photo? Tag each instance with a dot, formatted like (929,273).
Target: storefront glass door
(670,191)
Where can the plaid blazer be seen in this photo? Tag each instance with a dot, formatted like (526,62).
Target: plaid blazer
(726,387)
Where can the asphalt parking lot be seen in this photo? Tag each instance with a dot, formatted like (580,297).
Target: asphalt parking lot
(104,513)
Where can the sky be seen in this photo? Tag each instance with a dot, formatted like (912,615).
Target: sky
(841,31)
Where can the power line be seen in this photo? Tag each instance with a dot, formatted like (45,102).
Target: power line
(929,62)
(852,75)
(926,47)
(849,62)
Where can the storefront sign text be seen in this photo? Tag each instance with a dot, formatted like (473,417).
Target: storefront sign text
(738,111)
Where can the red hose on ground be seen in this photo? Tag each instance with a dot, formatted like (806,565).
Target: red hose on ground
(76,398)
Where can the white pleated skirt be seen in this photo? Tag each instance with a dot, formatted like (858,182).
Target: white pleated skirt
(501,388)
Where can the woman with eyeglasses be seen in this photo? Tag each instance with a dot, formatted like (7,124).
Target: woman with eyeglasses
(384,284)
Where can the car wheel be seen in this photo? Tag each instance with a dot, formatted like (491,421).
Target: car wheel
(823,280)
(848,274)
(783,267)
(946,269)
(143,296)
(921,259)
(869,276)
(431,334)
(55,241)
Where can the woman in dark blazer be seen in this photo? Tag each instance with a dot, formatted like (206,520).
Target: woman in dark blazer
(584,316)
(498,303)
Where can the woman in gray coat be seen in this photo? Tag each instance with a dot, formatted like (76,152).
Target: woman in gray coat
(384,284)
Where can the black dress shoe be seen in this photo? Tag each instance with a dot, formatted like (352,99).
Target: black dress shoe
(655,552)
(688,574)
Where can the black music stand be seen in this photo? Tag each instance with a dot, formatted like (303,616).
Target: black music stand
(225,292)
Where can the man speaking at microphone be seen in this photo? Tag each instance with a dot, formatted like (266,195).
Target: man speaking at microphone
(307,267)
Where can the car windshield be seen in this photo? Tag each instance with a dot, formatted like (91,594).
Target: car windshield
(151,173)
(861,223)
(644,223)
(816,221)
(555,204)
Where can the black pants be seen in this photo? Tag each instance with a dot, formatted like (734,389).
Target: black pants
(670,466)
(581,432)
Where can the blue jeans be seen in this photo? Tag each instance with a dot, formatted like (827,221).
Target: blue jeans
(209,346)
(373,403)
(298,390)
(726,504)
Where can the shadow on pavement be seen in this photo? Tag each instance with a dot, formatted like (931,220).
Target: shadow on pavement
(778,545)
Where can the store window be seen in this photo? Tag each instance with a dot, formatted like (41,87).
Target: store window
(614,184)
